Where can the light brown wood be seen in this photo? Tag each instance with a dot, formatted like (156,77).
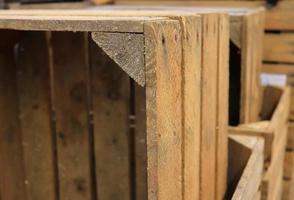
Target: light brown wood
(250,179)
(208,110)
(36,116)
(278,68)
(111,105)
(12,177)
(127,50)
(163,108)
(288,189)
(70,70)
(222,106)
(279,47)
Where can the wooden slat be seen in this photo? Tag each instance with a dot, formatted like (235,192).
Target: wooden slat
(164,113)
(279,47)
(278,68)
(71,104)
(247,188)
(111,109)
(140,143)
(208,110)
(36,116)
(222,106)
(288,189)
(12,176)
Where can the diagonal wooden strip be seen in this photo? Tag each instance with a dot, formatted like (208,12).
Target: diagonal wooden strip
(126,49)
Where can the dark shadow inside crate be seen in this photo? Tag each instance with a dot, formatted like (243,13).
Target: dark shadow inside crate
(238,159)
(71,119)
(270,100)
(234,84)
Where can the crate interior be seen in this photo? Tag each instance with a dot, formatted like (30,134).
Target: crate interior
(73,121)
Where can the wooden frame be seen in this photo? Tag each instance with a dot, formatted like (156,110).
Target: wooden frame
(164,54)
(245,160)
(274,132)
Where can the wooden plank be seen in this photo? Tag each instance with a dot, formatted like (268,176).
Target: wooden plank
(278,47)
(12,177)
(111,105)
(163,108)
(247,188)
(71,103)
(278,68)
(279,17)
(209,110)
(140,143)
(222,106)
(288,189)
(36,116)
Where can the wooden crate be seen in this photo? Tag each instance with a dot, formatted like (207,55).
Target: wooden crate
(246,34)
(245,170)
(274,130)
(71,91)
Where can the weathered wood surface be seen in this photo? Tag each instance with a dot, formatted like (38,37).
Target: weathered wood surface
(69,69)
(36,116)
(163,109)
(127,50)
(12,177)
(279,17)
(111,106)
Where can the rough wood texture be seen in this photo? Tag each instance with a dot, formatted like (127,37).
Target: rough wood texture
(222,106)
(127,50)
(279,47)
(164,113)
(70,70)
(12,177)
(36,116)
(111,105)
(208,109)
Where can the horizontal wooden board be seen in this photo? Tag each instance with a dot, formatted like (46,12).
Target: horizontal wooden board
(280,17)
(279,47)
(278,68)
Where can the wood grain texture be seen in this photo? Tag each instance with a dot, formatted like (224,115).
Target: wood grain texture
(140,143)
(208,109)
(222,106)
(12,177)
(36,116)
(288,189)
(279,47)
(163,58)
(278,68)
(71,104)
(289,165)
(111,109)
(127,50)
(290,142)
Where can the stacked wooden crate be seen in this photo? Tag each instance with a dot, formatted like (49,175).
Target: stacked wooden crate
(74,126)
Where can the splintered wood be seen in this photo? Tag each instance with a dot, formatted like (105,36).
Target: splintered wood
(75,126)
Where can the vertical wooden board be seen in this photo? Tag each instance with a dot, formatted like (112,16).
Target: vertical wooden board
(191,75)
(288,189)
(111,106)
(35,116)
(163,108)
(222,107)
(140,143)
(12,177)
(289,165)
(70,79)
(208,110)
(246,68)
(257,31)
